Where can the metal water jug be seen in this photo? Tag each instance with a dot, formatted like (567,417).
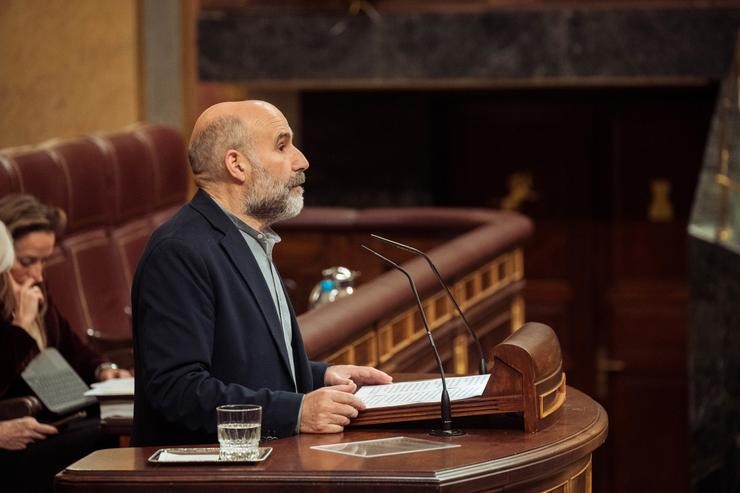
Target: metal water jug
(336,283)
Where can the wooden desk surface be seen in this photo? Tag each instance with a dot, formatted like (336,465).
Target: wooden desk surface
(488,459)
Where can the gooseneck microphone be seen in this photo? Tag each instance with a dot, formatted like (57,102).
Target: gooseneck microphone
(445,403)
(482,363)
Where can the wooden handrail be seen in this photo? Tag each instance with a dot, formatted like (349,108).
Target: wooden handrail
(485,240)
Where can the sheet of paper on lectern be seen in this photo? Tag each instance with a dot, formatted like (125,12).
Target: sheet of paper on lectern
(421,391)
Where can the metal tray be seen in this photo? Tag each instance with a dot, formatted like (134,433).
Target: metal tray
(208,455)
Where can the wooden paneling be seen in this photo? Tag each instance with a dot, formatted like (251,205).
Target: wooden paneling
(648,434)
(606,267)
(643,292)
(547,139)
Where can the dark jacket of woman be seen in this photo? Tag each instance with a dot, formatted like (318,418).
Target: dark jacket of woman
(18,348)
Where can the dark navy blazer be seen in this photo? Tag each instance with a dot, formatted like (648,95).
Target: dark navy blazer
(206,332)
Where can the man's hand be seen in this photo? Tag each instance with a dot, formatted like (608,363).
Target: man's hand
(329,409)
(16,434)
(359,375)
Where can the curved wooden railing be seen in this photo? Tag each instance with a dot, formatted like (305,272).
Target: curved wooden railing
(478,252)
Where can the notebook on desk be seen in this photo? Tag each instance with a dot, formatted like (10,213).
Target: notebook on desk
(56,383)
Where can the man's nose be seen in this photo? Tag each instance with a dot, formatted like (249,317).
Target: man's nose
(300,163)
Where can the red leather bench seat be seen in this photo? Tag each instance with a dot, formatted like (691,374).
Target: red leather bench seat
(115,188)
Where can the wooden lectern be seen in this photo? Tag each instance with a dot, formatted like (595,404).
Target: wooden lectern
(555,459)
(526,377)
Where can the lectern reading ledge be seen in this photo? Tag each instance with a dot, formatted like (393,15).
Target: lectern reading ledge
(526,377)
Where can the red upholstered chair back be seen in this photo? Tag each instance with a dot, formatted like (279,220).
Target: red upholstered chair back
(115,188)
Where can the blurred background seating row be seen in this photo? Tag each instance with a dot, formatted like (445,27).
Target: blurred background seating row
(115,188)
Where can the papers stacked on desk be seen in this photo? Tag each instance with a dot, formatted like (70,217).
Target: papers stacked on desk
(116,397)
(116,410)
(113,387)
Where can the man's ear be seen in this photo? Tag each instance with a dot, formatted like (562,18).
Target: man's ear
(235,165)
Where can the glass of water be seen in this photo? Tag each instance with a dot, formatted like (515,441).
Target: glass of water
(239,431)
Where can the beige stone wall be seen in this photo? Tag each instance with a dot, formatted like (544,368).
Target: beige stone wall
(67,67)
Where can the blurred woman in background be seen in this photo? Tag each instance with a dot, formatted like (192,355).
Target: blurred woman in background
(27,305)
(16,434)
(30,323)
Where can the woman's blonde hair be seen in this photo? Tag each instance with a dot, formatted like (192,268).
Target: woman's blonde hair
(7,256)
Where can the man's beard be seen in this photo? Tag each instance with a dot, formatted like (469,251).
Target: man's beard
(269,200)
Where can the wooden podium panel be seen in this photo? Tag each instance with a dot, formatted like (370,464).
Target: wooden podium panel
(526,376)
(495,454)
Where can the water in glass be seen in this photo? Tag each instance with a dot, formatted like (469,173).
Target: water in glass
(239,431)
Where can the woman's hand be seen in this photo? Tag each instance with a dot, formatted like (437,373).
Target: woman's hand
(109,373)
(16,434)
(28,299)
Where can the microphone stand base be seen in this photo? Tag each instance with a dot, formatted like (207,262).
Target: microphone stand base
(455,432)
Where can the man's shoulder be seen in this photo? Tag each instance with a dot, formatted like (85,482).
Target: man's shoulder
(187,230)
(192,233)
(186,224)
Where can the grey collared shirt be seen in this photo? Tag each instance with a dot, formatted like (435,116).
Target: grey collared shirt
(261,244)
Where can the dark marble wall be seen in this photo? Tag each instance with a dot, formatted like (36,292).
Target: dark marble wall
(491,45)
(714,367)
